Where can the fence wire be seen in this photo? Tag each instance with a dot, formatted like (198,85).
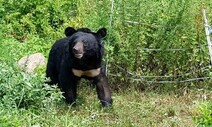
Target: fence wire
(157,78)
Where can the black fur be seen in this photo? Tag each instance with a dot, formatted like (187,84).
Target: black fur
(62,60)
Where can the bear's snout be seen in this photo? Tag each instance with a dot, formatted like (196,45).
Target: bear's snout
(78,50)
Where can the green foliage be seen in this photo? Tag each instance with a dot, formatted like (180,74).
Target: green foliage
(204,116)
(159,25)
(23,96)
(134,26)
(21,90)
(9,120)
(40,17)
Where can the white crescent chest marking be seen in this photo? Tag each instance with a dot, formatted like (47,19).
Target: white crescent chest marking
(88,73)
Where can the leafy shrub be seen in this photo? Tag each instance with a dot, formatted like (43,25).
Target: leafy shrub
(157,25)
(7,120)
(22,90)
(40,17)
(135,27)
(204,116)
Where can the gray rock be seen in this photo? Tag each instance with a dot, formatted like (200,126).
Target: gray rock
(30,62)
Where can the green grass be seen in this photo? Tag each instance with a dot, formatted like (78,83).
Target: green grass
(130,108)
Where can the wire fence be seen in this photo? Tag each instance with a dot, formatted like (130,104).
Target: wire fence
(157,79)
(160,79)
(177,49)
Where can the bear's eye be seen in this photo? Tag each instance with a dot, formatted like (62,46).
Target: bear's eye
(85,44)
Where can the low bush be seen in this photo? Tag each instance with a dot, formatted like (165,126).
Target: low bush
(203,117)
(21,90)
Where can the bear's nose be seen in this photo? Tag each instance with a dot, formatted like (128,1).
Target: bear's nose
(78,48)
(75,50)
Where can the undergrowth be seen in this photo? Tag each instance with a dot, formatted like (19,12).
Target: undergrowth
(150,87)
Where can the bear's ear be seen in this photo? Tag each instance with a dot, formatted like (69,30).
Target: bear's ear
(69,31)
(102,32)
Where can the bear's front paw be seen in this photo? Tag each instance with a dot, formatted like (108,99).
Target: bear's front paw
(107,103)
(71,102)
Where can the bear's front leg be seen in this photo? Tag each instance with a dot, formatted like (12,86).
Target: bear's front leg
(68,84)
(103,91)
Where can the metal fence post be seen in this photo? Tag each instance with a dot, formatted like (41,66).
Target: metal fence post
(207,27)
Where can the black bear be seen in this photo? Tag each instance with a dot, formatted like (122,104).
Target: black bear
(79,55)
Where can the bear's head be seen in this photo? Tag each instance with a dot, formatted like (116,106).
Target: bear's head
(84,43)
